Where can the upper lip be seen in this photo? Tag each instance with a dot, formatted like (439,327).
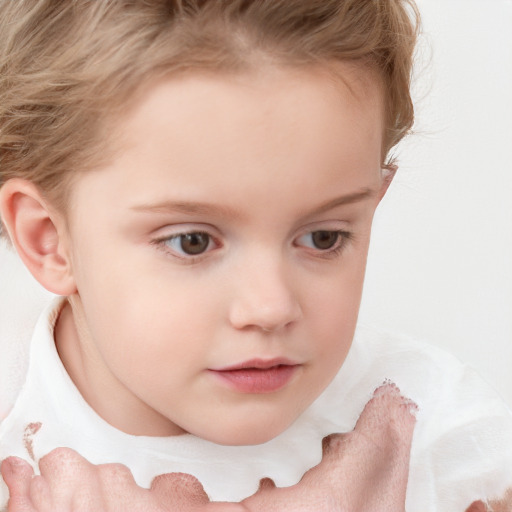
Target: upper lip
(260,364)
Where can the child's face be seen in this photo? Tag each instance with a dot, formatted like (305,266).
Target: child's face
(231,231)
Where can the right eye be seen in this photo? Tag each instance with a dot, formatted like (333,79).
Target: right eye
(190,244)
(324,241)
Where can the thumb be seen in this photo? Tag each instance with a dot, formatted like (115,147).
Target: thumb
(179,491)
(18,474)
(388,407)
(386,424)
(367,469)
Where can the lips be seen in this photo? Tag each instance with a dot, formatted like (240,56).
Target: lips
(257,375)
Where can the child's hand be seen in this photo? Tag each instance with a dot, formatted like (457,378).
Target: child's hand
(69,483)
(364,470)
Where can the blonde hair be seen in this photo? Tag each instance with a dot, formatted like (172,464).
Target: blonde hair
(67,67)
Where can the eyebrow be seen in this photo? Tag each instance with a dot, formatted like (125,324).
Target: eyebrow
(354,197)
(199,208)
(187,207)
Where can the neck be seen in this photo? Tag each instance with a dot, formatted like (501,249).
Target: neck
(100,389)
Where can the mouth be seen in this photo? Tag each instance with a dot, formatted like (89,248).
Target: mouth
(257,376)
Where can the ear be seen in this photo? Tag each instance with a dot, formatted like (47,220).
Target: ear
(388,173)
(38,233)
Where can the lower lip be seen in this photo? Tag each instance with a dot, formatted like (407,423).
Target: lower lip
(254,380)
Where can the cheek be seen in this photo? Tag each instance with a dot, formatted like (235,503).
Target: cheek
(143,317)
(333,301)
(332,311)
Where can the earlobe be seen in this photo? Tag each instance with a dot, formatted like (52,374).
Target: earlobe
(36,234)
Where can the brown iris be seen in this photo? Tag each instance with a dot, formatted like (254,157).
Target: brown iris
(194,243)
(324,239)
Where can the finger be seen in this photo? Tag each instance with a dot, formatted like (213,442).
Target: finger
(388,410)
(367,469)
(388,414)
(17,475)
(118,485)
(182,490)
(384,433)
(63,464)
(117,475)
(65,471)
(40,495)
(382,439)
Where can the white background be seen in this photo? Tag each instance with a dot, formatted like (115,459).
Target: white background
(440,265)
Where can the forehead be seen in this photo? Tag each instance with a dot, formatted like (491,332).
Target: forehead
(260,129)
(188,106)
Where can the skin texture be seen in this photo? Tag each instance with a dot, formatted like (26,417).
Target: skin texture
(365,469)
(258,163)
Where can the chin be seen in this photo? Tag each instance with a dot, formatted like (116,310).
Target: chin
(243,434)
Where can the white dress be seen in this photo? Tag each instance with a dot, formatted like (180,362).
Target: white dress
(461,450)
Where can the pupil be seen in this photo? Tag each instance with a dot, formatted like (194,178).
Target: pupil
(325,239)
(194,243)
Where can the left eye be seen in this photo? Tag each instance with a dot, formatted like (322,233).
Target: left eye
(189,244)
(321,240)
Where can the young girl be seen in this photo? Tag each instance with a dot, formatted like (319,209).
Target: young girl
(197,180)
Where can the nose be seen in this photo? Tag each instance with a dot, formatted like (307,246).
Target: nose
(264,299)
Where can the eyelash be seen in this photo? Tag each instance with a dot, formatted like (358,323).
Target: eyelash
(162,243)
(342,239)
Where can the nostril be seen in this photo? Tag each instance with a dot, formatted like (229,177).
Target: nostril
(264,298)
(268,318)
